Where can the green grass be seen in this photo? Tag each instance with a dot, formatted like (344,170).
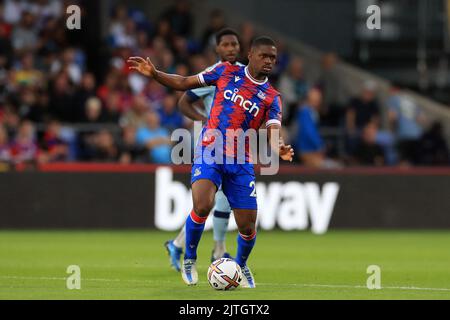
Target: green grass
(286,265)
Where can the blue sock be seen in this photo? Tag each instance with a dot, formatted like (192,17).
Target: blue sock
(194,230)
(220,225)
(245,246)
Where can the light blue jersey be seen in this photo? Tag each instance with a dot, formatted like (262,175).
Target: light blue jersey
(206,93)
(407,112)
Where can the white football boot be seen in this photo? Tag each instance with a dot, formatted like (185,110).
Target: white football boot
(247,278)
(189,272)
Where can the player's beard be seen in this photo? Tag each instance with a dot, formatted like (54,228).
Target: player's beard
(266,72)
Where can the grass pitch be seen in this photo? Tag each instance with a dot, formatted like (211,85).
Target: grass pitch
(286,265)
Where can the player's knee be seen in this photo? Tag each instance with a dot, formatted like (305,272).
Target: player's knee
(203,208)
(247,230)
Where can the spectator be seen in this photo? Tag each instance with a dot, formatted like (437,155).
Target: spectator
(6,50)
(38,110)
(50,41)
(143,44)
(27,74)
(363,109)
(113,107)
(309,144)
(27,102)
(387,141)
(117,26)
(335,92)
(104,147)
(111,84)
(24,36)
(167,61)
(179,18)
(46,9)
(169,115)
(10,119)
(93,111)
(127,38)
(126,96)
(136,116)
(155,92)
(69,65)
(54,147)
(181,49)
(155,138)
(48,73)
(247,34)
(24,148)
(83,93)
(215,24)
(283,60)
(198,63)
(163,37)
(406,120)
(368,152)
(6,57)
(61,99)
(293,88)
(4,81)
(13,11)
(433,149)
(5,150)
(129,150)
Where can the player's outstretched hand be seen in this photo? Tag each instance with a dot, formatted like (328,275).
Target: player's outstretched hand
(144,66)
(286,152)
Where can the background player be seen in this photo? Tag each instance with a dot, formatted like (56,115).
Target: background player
(250,84)
(228,49)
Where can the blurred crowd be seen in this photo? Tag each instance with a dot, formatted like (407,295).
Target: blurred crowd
(53,108)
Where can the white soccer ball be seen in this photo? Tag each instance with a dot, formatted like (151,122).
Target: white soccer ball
(224,274)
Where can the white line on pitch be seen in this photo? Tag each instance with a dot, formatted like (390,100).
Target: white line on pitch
(351,287)
(263,284)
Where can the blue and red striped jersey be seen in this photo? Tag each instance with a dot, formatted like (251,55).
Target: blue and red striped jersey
(240,102)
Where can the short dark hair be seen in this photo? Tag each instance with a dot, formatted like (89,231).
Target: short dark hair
(263,41)
(225,32)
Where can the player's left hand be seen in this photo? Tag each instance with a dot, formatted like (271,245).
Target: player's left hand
(286,152)
(142,65)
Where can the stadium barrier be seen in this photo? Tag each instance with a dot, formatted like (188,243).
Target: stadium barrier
(114,196)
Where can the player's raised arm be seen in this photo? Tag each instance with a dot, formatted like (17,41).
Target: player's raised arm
(176,82)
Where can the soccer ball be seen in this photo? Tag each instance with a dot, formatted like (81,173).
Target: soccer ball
(224,274)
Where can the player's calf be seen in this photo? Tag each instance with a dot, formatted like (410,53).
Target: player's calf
(246,221)
(203,200)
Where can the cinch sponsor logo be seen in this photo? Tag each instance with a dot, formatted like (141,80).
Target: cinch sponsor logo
(237,98)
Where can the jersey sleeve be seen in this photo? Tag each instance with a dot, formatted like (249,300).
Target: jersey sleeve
(210,77)
(274,113)
(199,93)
